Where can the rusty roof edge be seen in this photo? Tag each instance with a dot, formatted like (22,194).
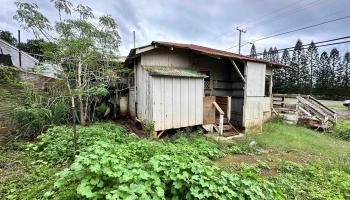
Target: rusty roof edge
(206,51)
(218,52)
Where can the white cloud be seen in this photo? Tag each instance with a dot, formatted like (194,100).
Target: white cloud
(201,21)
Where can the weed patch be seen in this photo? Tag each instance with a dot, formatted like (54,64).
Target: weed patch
(312,182)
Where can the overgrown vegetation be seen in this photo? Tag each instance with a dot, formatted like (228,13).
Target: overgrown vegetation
(342,130)
(56,144)
(112,164)
(312,182)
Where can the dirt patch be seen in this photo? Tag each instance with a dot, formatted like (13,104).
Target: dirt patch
(131,126)
(270,160)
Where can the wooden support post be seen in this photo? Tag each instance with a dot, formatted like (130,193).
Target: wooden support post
(221,124)
(239,72)
(221,119)
(160,134)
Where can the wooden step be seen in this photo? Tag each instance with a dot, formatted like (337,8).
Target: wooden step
(225,121)
(227,127)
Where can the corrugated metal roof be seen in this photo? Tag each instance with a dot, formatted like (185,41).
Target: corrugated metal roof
(174,72)
(204,50)
(215,52)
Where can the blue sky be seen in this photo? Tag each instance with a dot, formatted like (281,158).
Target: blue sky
(209,23)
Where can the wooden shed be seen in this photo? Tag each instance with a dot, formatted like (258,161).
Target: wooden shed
(179,85)
(166,96)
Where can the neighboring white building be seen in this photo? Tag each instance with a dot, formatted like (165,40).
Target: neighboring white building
(27,61)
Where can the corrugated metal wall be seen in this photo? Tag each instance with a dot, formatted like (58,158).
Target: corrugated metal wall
(177,102)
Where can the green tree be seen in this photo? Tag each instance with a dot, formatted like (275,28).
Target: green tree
(8,37)
(276,57)
(87,50)
(40,49)
(30,17)
(285,60)
(270,54)
(265,55)
(322,74)
(312,63)
(63,5)
(346,69)
(336,69)
(253,51)
(299,72)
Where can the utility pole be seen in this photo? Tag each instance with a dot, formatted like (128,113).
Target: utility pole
(134,38)
(240,31)
(19,48)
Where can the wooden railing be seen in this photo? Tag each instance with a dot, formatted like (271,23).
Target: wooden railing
(221,119)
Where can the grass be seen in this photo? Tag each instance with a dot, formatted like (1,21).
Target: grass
(337,106)
(23,176)
(299,139)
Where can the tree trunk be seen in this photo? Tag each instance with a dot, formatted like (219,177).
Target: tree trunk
(81,104)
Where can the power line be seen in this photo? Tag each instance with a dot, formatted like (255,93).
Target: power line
(325,17)
(260,19)
(294,30)
(289,9)
(303,28)
(292,48)
(330,40)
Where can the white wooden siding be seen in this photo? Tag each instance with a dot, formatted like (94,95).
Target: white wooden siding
(255,79)
(144,97)
(166,58)
(177,102)
(254,102)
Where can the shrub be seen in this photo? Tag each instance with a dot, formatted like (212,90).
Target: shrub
(243,148)
(148,127)
(36,118)
(31,120)
(57,143)
(9,75)
(137,171)
(202,146)
(342,130)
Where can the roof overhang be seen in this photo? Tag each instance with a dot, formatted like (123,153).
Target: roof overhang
(218,54)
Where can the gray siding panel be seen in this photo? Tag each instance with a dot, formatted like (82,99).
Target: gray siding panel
(177,102)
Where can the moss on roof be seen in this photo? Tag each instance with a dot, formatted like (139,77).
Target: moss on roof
(173,71)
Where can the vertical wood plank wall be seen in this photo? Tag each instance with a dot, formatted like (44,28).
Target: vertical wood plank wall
(144,96)
(177,102)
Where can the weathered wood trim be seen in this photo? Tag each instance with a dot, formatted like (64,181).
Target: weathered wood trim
(144,49)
